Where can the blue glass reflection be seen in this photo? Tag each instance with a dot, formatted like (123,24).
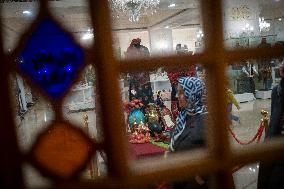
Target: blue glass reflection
(51,58)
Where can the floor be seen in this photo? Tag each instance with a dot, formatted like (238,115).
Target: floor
(246,177)
(41,114)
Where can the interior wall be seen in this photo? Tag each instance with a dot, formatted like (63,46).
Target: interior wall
(238,13)
(185,36)
(161,42)
(167,37)
(10,40)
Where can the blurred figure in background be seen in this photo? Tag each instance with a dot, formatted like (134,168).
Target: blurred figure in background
(232,100)
(159,100)
(139,82)
(271,176)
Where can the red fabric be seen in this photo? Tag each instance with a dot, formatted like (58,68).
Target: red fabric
(146,149)
(174,108)
(174,74)
(256,137)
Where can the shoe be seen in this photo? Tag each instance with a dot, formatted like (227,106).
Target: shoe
(239,121)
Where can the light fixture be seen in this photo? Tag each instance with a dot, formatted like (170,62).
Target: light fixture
(162,44)
(199,35)
(172,5)
(27,12)
(89,35)
(45,117)
(134,8)
(263,25)
(248,28)
(167,27)
(279,19)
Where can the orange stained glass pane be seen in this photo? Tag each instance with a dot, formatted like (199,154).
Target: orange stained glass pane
(62,150)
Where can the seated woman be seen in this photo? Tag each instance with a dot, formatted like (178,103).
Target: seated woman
(189,132)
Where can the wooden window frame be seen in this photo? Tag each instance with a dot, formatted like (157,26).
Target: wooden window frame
(217,160)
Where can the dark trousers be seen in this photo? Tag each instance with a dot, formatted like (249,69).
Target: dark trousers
(252,85)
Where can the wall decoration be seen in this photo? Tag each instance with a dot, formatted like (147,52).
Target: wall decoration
(242,12)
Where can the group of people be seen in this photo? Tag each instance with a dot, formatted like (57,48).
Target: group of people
(189,132)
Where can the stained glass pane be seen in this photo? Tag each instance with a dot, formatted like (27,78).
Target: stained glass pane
(63,146)
(32,113)
(50,58)
(81,104)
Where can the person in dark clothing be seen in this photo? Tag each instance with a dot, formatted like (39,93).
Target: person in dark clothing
(189,132)
(159,101)
(271,175)
(250,71)
(140,86)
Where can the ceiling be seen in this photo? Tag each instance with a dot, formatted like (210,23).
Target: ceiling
(73,14)
(76,12)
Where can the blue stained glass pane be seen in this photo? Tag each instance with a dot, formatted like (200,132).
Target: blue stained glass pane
(51,58)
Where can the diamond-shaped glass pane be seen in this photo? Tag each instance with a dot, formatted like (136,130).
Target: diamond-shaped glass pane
(51,58)
(79,105)
(62,151)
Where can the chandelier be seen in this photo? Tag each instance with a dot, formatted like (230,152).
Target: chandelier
(133,8)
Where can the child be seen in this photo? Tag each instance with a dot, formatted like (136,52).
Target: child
(232,100)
